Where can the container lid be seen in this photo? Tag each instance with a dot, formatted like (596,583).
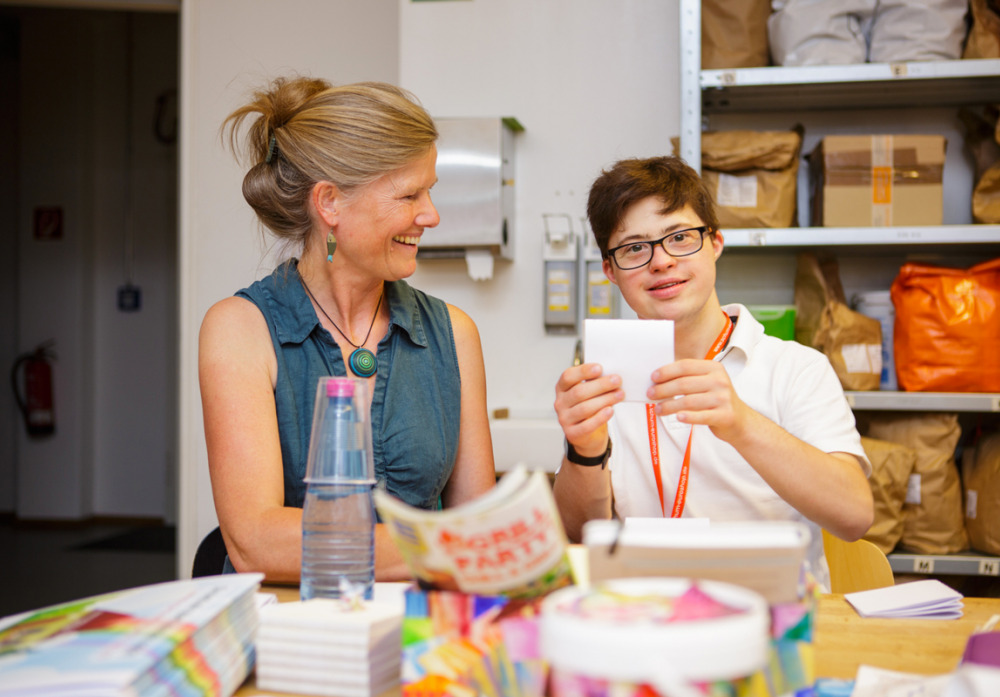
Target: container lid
(634,630)
(339,387)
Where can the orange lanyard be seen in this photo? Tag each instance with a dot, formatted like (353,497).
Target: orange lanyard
(654,440)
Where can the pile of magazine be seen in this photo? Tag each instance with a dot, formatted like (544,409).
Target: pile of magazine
(330,647)
(191,637)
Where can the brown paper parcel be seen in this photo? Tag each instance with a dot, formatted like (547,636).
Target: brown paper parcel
(981,478)
(984,34)
(734,34)
(933,520)
(752,176)
(851,341)
(892,465)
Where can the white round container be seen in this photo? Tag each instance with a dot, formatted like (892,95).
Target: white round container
(878,305)
(615,632)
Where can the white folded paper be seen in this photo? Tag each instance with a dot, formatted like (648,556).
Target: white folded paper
(928,599)
(631,348)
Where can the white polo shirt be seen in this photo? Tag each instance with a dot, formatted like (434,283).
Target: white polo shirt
(791,384)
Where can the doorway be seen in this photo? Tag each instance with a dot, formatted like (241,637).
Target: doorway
(89,124)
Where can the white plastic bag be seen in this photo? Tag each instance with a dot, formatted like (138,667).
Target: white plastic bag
(928,30)
(843,32)
(819,32)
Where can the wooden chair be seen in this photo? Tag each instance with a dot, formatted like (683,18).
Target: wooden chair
(855,566)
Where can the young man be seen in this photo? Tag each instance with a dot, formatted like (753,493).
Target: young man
(770,434)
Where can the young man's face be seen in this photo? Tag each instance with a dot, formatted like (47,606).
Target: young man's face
(677,288)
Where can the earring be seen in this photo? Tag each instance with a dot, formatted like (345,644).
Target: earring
(331,245)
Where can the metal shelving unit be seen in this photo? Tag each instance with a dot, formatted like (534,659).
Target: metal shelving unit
(870,85)
(942,235)
(850,87)
(976,402)
(948,564)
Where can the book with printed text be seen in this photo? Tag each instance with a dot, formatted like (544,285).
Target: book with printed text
(510,541)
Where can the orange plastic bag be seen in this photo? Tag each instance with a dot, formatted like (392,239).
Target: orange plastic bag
(947,331)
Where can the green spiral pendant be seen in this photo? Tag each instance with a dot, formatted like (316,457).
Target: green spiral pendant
(363,363)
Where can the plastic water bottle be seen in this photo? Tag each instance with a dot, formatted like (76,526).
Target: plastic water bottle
(338,516)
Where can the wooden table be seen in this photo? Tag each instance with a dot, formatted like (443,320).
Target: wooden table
(843,640)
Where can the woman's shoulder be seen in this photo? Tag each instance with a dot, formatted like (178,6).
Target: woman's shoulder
(235,317)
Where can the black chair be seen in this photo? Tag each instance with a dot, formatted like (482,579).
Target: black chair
(211,555)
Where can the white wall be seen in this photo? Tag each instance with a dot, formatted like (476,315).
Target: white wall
(135,357)
(54,287)
(228,48)
(591,80)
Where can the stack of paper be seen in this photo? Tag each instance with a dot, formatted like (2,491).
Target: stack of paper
(184,637)
(928,599)
(324,647)
(764,556)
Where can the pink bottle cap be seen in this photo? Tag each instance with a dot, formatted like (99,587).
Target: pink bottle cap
(339,387)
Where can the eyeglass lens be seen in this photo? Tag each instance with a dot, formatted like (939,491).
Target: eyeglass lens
(678,244)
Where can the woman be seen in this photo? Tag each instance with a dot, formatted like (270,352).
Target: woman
(343,174)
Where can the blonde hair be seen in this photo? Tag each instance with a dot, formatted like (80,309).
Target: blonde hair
(308,131)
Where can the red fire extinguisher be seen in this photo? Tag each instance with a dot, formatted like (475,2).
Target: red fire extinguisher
(36,401)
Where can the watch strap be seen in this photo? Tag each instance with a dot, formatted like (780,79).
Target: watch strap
(596,461)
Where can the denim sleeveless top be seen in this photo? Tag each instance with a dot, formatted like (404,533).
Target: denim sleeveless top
(416,396)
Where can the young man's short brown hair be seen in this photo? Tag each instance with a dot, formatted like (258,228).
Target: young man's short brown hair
(627,182)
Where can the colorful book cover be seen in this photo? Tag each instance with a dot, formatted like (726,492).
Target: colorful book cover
(510,541)
(192,637)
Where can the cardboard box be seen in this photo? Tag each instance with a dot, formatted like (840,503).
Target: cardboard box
(877,180)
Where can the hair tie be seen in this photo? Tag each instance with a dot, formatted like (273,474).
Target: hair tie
(270,151)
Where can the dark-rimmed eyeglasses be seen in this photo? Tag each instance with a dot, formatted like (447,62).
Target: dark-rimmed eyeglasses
(679,243)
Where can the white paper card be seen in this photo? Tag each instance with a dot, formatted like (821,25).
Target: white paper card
(879,682)
(928,599)
(631,348)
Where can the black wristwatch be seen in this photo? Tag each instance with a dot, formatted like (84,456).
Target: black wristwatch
(578,459)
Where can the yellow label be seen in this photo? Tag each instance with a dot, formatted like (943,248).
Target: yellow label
(881,185)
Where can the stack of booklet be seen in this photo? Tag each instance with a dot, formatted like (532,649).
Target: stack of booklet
(192,637)
(329,647)
(927,599)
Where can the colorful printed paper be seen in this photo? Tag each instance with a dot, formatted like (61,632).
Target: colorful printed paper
(179,638)
(463,645)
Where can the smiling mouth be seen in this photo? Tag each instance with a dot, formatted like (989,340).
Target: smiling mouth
(407,239)
(668,284)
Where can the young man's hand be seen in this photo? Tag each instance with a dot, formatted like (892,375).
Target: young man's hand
(699,392)
(584,401)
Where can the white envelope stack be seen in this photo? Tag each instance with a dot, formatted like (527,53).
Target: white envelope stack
(320,647)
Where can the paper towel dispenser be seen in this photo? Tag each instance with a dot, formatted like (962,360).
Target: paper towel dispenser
(475,190)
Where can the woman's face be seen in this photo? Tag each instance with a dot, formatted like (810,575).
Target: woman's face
(380,225)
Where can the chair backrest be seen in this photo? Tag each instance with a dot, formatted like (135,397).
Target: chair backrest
(855,566)
(210,556)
